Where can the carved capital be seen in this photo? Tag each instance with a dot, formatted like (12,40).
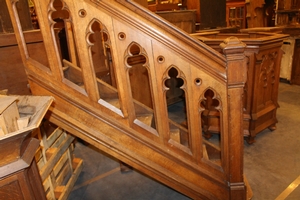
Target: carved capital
(233,50)
(233,45)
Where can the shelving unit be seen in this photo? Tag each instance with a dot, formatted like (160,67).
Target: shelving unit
(58,168)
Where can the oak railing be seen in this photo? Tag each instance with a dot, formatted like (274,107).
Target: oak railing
(136,87)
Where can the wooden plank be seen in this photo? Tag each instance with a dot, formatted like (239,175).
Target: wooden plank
(3,129)
(54,159)
(23,122)
(59,191)
(56,165)
(1,132)
(48,187)
(11,114)
(59,140)
(78,164)
(38,154)
(205,154)
(28,110)
(60,164)
(3,92)
(46,184)
(53,137)
(175,135)
(6,101)
(147,119)
(65,174)
(9,39)
(41,163)
(50,152)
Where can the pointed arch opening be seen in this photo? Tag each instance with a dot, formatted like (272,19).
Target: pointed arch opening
(211,118)
(99,47)
(63,29)
(175,96)
(140,84)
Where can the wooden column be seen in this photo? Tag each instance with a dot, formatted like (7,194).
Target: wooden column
(233,49)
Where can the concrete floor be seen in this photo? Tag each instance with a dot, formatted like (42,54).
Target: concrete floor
(271,164)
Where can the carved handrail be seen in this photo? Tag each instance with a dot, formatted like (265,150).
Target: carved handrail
(123,64)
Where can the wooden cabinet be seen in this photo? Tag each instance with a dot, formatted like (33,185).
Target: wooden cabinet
(236,14)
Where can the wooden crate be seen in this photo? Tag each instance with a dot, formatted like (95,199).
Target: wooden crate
(58,168)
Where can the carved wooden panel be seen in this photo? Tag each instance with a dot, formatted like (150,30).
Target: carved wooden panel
(11,191)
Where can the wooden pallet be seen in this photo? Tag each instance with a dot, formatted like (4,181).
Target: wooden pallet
(59,169)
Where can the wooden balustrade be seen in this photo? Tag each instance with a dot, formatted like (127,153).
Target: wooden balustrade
(111,65)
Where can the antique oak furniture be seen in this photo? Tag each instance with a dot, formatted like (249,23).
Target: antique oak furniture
(98,49)
(19,175)
(260,13)
(260,97)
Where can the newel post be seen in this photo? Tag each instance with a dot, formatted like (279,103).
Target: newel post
(233,50)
